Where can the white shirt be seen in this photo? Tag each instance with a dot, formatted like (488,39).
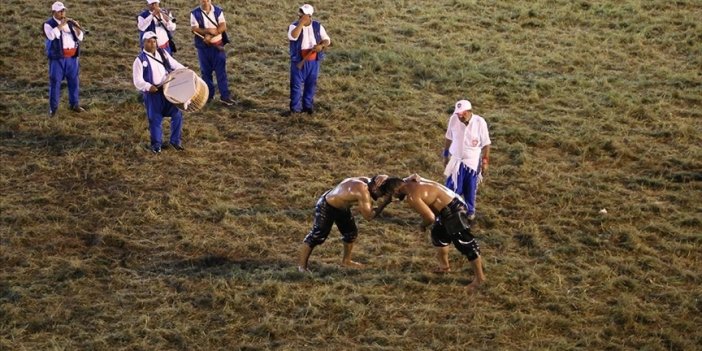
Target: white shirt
(158,72)
(308,39)
(64,33)
(467,141)
(208,23)
(161,34)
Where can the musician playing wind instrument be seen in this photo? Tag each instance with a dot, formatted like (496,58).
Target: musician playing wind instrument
(160,21)
(307,40)
(62,47)
(150,70)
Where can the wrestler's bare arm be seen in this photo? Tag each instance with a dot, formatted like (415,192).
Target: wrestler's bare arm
(364,201)
(382,203)
(423,209)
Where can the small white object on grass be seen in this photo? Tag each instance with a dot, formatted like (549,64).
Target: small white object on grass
(603,211)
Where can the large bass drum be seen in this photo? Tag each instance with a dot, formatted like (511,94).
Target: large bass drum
(186,90)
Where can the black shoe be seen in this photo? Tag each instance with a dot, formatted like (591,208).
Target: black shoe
(290,113)
(77,109)
(309,111)
(156,149)
(52,114)
(227,101)
(178,147)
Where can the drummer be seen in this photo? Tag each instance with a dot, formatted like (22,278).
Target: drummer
(150,70)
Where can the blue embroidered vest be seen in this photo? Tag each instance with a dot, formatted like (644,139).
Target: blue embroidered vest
(54,48)
(152,28)
(200,18)
(148,74)
(296,45)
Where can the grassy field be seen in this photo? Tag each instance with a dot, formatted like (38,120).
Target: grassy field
(591,105)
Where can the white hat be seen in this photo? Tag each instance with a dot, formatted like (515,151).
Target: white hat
(462,105)
(151,1)
(307,9)
(57,6)
(148,35)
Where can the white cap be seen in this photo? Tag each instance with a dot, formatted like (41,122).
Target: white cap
(148,35)
(57,6)
(307,9)
(462,105)
(151,1)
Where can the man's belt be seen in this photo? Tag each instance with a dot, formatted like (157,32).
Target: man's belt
(309,54)
(68,53)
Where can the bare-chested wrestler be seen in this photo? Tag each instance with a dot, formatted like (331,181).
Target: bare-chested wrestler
(334,206)
(440,206)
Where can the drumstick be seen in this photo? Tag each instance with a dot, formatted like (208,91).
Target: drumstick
(164,83)
(220,48)
(199,35)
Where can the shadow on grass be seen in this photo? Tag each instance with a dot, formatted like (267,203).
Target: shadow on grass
(265,268)
(217,262)
(227,267)
(269,269)
(55,142)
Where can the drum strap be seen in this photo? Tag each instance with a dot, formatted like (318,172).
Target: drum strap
(166,66)
(209,19)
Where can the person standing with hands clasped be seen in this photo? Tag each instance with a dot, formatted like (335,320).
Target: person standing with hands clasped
(157,20)
(149,70)
(62,46)
(210,30)
(307,40)
(466,153)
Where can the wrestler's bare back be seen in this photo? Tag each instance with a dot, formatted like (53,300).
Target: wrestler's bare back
(431,193)
(349,192)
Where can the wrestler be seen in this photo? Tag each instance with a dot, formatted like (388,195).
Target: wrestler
(334,207)
(440,206)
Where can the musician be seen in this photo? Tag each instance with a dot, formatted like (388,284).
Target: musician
(62,47)
(158,20)
(307,40)
(210,29)
(149,70)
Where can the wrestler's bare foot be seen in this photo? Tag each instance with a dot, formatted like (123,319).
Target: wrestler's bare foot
(352,264)
(474,286)
(302,269)
(442,270)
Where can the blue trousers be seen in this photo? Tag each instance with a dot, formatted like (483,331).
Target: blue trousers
(68,69)
(214,60)
(303,85)
(466,186)
(156,108)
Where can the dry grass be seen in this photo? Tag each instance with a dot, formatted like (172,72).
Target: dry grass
(591,104)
